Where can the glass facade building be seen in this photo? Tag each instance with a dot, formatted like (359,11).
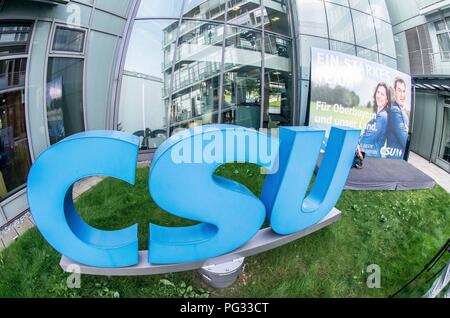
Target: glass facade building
(59,62)
(239,62)
(210,62)
(152,68)
(422,37)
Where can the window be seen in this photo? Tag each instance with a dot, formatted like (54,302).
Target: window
(365,30)
(15,160)
(242,80)
(64,97)
(367,54)
(210,10)
(166,8)
(216,42)
(312,18)
(340,23)
(14,38)
(276,17)
(278,84)
(386,44)
(65,115)
(445,148)
(12,73)
(443,36)
(14,154)
(68,40)
(146,81)
(361,5)
(197,73)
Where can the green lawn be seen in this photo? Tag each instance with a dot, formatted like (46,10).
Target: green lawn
(399,231)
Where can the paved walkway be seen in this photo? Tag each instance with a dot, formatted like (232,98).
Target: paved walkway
(441,176)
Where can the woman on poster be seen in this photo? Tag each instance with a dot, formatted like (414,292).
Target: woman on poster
(374,137)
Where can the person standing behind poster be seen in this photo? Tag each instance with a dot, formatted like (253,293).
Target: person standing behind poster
(398,128)
(374,137)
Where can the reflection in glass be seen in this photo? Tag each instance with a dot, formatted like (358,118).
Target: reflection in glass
(308,42)
(196,80)
(340,23)
(159,9)
(12,73)
(64,97)
(246,13)
(68,40)
(14,154)
(365,30)
(380,10)
(208,9)
(312,17)
(14,37)
(275,17)
(444,45)
(388,61)
(367,54)
(173,72)
(342,47)
(361,5)
(196,105)
(144,111)
(278,82)
(242,80)
(146,81)
(386,43)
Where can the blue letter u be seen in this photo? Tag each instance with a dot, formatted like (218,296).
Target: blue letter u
(284,192)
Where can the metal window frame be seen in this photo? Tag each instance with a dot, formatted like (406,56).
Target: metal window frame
(113,121)
(443,19)
(32,23)
(11,196)
(59,25)
(70,55)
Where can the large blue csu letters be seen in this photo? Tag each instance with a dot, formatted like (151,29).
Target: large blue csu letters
(228,213)
(50,184)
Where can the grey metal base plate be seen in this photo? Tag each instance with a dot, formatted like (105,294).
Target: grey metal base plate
(264,241)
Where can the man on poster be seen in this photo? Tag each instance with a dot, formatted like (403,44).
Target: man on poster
(398,126)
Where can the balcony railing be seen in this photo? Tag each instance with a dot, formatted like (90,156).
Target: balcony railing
(11,79)
(430,63)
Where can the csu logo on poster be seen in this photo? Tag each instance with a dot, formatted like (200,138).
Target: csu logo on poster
(387,152)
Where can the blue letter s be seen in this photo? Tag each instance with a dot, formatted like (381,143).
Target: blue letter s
(229,213)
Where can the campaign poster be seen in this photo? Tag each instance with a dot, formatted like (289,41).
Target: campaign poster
(353,92)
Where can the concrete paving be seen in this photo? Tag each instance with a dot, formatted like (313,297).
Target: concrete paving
(441,176)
